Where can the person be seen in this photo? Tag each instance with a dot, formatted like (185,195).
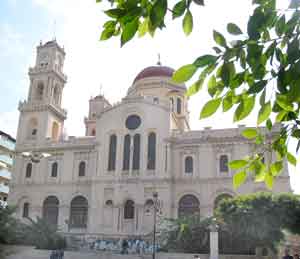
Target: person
(296,256)
(124,247)
(287,255)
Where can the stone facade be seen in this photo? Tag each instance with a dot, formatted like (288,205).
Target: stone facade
(102,184)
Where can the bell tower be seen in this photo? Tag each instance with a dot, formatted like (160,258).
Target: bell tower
(41,115)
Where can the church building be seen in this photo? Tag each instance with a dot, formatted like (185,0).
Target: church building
(103,183)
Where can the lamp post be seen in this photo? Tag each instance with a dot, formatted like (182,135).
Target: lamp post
(155,205)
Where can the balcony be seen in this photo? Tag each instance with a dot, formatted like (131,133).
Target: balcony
(7,144)
(6,159)
(4,189)
(5,175)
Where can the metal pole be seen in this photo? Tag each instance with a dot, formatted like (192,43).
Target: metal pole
(155,195)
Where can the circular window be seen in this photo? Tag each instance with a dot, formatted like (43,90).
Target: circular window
(133,122)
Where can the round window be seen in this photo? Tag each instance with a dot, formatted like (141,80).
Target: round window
(133,122)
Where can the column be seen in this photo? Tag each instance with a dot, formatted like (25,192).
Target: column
(214,242)
(63,217)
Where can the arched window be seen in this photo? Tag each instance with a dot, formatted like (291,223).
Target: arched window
(28,170)
(178,105)
(126,153)
(136,152)
(188,206)
(32,128)
(54,169)
(55,129)
(25,210)
(56,95)
(50,210)
(109,203)
(223,164)
(221,197)
(39,91)
(79,212)
(172,104)
(129,210)
(81,169)
(151,151)
(112,153)
(188,165)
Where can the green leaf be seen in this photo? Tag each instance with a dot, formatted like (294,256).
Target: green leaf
(219,39)
(184,73)
(269,180)
(292,160)
(280,116)
(276,168)
(233,29)
(284,103)
(257,87)
(129,31)
(249,133)
(269,124)
(107,33)
(187,23)
(227,72)
(227,103)
(179,9)
(280,25)
(237,164)
(194,88)
(210,108)
(143,27)
(115,13)
(264,112)
(205,60)
(296,133)
(239,178)
(158,12)
(244,108)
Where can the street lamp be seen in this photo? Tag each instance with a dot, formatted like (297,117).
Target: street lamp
(156,206)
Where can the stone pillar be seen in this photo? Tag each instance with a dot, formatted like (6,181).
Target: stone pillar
(214,242)
(63,217)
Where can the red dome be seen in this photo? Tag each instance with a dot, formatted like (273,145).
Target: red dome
(154,71)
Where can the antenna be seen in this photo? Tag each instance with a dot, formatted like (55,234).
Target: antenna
(54,30)
(158,60)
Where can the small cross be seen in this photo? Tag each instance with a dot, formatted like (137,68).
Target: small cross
(158,61)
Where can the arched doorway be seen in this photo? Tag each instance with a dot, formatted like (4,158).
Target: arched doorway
(50,210)
(189,205)
(79,212)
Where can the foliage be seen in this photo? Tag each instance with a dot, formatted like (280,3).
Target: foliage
(256,67)
(44,235)
(259,219)
(7,224)
(186,235)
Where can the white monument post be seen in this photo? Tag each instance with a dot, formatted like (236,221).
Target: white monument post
(214,240)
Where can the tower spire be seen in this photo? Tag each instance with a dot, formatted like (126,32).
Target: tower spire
(158,60)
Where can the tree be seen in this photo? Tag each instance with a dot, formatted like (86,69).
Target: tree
(8,224)
(186,235)
(258,220)
(44,235)
(260,67)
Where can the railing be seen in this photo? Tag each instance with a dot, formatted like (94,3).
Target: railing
(4,188)
(5,174)
(7,144)
(6,159)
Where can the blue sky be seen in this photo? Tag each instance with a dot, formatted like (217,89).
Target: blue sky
(90,63)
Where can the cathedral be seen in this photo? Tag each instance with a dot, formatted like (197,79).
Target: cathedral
(103,183)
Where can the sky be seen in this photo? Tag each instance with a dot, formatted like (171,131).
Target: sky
(92,64)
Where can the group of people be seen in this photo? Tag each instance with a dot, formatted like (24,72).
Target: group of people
(288,256)
(57,254)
